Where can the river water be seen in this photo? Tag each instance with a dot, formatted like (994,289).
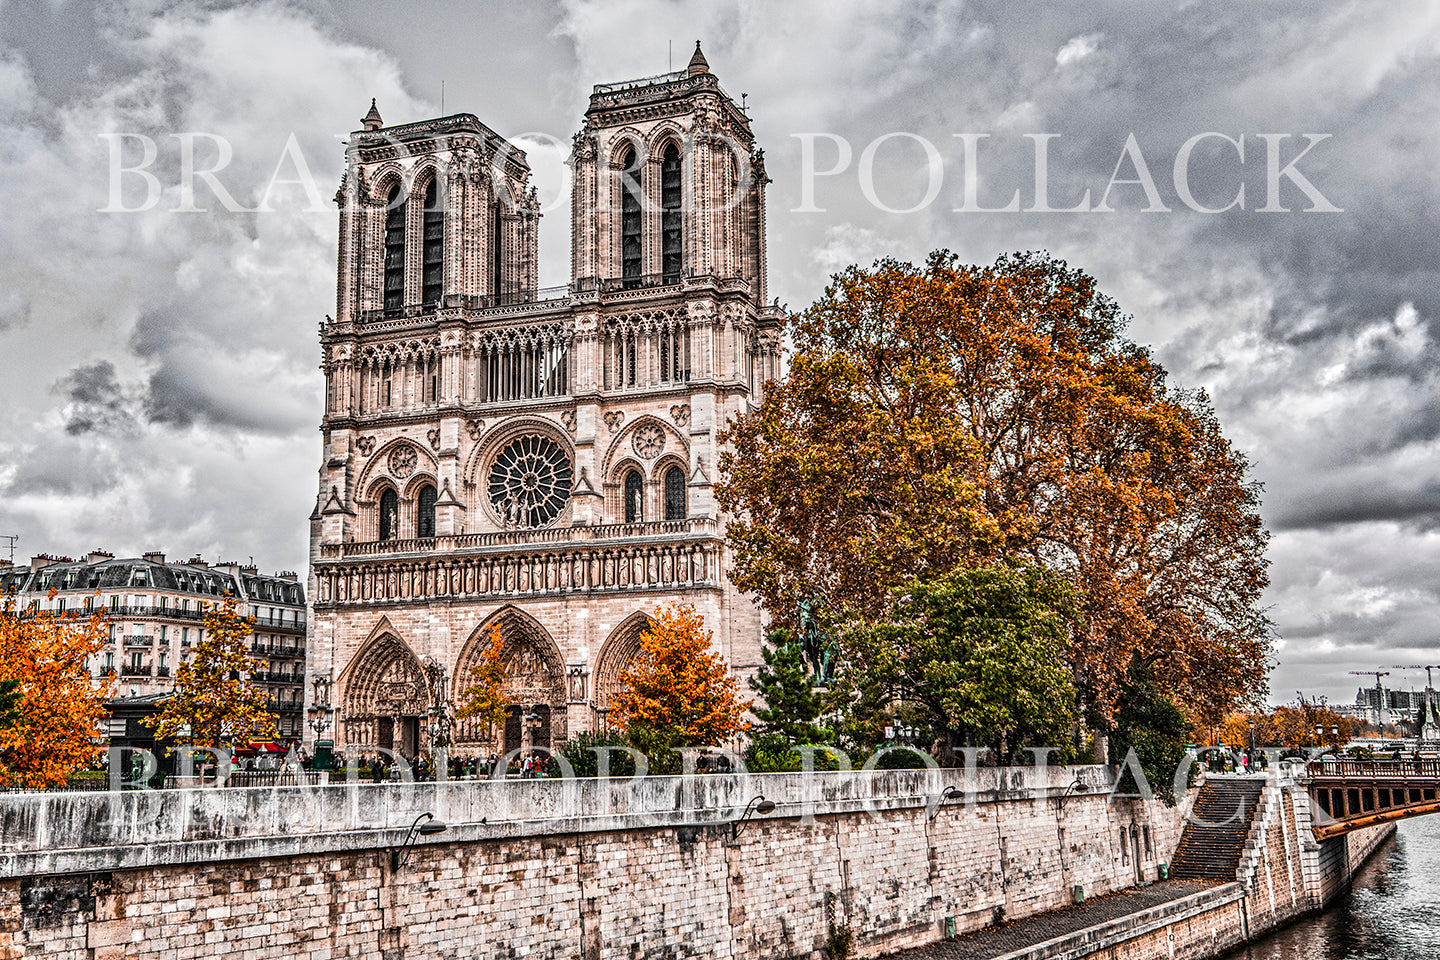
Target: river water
(1391,912)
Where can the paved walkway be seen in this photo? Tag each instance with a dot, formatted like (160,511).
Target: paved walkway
(998,941)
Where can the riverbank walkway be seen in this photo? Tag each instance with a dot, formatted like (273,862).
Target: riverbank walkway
(1020,935)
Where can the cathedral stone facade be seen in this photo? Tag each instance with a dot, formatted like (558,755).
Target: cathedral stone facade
(496,453)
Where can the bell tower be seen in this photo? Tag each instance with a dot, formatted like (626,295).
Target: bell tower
(668,184)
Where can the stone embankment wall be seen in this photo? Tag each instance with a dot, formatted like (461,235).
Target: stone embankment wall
(1283,875)
(578,869)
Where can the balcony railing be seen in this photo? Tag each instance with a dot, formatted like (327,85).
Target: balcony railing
(136,672)
(153,611)
(280,623)
(506,538)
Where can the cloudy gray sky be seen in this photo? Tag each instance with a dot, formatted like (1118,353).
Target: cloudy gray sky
(158,368)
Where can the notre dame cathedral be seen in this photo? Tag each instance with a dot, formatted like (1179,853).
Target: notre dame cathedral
(542,459)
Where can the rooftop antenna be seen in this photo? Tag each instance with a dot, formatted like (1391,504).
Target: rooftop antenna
(12,538)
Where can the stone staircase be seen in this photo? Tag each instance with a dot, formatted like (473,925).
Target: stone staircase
(1215,838)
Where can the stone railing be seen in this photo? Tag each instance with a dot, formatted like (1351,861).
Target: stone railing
(577,568)
(518,538)
(79,832)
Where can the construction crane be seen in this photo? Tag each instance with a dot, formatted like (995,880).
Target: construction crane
(1382,711)
(1427,667)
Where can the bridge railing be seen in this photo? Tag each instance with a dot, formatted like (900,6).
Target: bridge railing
(1347,768)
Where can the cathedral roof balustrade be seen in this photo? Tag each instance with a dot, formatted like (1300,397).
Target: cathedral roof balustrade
(699,527)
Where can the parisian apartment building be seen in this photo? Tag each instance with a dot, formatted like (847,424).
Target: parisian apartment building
(156,615)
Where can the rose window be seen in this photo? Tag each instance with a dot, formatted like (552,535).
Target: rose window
(530,482)
(649,441)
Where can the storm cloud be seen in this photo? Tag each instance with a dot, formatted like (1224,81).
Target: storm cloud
(160,366)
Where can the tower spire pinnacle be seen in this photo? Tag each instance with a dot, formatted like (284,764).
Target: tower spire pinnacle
(371,120)
(698,63)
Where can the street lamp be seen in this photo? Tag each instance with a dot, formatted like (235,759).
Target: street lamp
(758,805)
(425,825)
(320,721)
(440,721)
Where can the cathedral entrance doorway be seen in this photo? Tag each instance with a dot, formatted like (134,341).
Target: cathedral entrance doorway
(384,696)
(534,684)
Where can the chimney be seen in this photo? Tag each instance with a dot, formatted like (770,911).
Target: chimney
(97,556)
(195,561)
(43,560)
(6,564)
(154,556)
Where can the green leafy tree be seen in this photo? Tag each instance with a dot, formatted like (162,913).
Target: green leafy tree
(1149,722)
(979,653)
(792,706)
(216,702)
(9,703)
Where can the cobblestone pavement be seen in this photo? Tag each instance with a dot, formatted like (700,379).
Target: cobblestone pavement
(997,941)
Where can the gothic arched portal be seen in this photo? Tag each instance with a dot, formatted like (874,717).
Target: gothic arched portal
(534,684)
(384,696)
(618,652)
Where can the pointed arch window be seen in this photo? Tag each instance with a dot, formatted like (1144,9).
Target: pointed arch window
(432,277)
(674,494)
(389,515)
(425,513)
(395,249)
(670,195)
(630,219)
(634,497)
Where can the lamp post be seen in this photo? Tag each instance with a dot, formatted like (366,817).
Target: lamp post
(440,721)
(425,825)
(320,722)
(757,805)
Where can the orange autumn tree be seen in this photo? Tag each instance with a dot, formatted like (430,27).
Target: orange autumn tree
(677,692)
(484,700)
(948,416)
(216,701)
(54,720)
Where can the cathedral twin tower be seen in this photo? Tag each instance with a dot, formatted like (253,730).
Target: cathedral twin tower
(540,459)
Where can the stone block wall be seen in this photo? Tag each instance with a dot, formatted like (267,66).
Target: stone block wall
(589,869)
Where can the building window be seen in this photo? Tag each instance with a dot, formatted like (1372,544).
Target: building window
(674,494)
(670,193)
(389,515)
(630,219)
(425,519)
(432,278)
(634,497)
(395,249)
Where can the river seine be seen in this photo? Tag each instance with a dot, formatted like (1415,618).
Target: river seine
(1391,912)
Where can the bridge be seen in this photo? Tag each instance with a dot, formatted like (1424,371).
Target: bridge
(1350,794)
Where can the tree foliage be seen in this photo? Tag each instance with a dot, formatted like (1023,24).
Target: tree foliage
(953,416)
(1150,723)
(55,707)
(216,702)
(980,651)
(1292,726)
(792,706)
(678,692)
(485,700)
